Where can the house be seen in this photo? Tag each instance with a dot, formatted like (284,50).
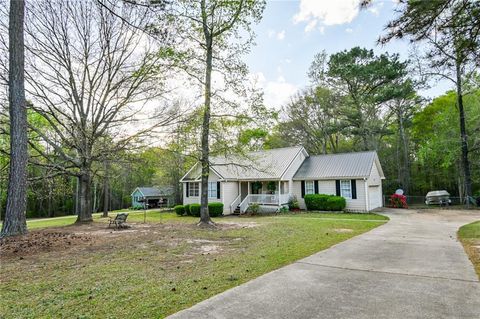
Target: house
(152,196)
(271,178)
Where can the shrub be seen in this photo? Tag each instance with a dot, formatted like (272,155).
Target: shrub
(293,203)
(215,209)
(336,203)
(195,210)
(187,209)
(253,209)
(325,202)
(398,201)
(180,210)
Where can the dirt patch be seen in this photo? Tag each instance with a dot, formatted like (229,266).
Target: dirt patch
(83,238)
(41,241)
(228,225)
(343,230)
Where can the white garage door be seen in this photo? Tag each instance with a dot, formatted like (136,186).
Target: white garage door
(374,197)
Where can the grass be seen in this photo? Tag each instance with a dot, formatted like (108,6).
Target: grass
(469,235)
(170,266)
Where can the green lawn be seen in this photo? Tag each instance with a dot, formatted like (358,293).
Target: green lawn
(470,237)
(161,267)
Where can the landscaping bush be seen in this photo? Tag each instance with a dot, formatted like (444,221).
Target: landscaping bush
(180,210)
(293,203)
(215,209)
(195,210)
(336,203)
(253,209)
(398,201)
(325,202)
(187,209)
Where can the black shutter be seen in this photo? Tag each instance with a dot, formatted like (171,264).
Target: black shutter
(218,190)
(337,186)
(303,189)
(188,186)
(354,189)
(316,187)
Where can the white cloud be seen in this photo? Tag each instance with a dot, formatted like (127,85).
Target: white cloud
(281,35)
(375,7)
(326,12)
(349,30)
(277,92)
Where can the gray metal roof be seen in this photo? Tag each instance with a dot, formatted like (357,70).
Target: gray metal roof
(155,191)
(267,164)
(334,166)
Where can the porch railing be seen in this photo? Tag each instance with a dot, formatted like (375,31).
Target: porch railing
(264,199)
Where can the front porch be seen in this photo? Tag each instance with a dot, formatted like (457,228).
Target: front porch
(269,194)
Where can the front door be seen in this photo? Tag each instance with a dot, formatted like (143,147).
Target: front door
(243,190)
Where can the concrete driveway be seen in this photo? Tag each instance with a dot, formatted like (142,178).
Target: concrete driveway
(412,267)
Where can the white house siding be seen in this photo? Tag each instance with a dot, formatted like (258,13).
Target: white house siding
(375,191)
(328,187)
(228,191)
(196,199)
(293,168)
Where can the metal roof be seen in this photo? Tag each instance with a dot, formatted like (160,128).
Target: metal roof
(334,166)
(154,191)
(267,164)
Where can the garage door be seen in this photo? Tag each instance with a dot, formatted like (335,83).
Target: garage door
(374,197)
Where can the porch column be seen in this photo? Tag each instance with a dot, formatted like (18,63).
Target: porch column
(248,188)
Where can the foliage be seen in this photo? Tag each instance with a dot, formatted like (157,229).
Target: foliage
(398,201)
(187,209)
(284,209)
(253,209)
(215,209)
(179,210)
(325,202)
(293,203)
(256,186)
(272,186)
(194,210)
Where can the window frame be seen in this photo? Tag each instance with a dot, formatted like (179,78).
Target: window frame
(307,191)
(193,191)
(212,192)
(343,183)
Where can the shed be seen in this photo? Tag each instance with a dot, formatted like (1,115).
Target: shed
(152,196)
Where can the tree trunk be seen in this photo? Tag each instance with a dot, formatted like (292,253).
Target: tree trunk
(85,198)
(15,220)
(106,191)
(204,215)
(405,166)
(463,134)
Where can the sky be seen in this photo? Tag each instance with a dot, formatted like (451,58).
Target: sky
(292,32)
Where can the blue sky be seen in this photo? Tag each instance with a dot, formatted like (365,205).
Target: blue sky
(292,32)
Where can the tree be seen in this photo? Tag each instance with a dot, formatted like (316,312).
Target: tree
(366,84)
(15,219)
(312,120)
(93,77)
(451,31)
(214,34)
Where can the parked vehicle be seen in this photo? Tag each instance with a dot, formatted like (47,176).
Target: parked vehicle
(438,198)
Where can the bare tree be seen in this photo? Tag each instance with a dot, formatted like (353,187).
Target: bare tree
(95,79)
(15,219)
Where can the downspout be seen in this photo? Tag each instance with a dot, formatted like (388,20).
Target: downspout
(367,198)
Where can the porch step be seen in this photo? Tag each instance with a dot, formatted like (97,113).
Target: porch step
(237,210)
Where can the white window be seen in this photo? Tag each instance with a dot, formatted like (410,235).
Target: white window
(212,189)
(309,187)
(346,188)
(193,189)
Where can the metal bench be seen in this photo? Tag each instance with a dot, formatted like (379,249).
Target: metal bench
(120,221)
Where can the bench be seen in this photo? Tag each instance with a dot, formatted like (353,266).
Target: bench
(120,221)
